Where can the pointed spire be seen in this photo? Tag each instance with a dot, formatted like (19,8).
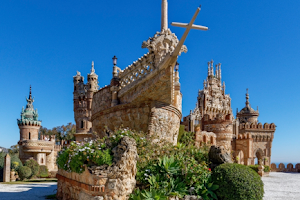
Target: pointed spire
(220,73)
(217,71)
(30,97)
(92,69)
(208,68)
(212,67)
(247,98)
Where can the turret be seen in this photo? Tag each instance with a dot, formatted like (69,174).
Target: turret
(83,97)
(92,80)
(29,124)
(248,114)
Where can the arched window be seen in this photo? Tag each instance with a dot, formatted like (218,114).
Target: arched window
(42,161)
(204,138)
(211,140)
(29,135)
(81,124)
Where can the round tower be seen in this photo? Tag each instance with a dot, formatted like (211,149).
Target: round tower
(29,126)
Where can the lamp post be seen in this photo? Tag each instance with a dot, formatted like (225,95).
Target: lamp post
(176,66)
(115,60)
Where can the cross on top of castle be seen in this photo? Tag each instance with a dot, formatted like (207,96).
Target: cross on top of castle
(188,26)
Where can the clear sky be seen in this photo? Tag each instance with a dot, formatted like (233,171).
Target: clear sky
(44,43)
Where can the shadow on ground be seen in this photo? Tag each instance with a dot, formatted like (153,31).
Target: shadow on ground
(26,191)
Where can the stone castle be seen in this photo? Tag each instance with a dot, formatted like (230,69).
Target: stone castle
(145,96)
(31,146)
(213,122)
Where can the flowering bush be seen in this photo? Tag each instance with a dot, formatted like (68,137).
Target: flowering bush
(94,152)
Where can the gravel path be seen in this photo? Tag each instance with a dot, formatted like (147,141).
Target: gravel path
(27,191)
(282,186)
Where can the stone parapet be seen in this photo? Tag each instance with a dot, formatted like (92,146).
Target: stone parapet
(103,182)
(289,168)
(37,146)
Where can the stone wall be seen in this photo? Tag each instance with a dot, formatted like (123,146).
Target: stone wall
(102,182)
(289,168)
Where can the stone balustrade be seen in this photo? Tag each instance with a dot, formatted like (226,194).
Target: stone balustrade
(288,168)
(139,69)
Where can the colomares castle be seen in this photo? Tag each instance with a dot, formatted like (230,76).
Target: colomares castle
(145,97)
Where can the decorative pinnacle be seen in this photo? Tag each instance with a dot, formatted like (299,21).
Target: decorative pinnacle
(247,98)
(93,69)
(30,97)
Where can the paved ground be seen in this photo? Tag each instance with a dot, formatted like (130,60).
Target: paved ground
(278,186)
(282,186)
(27,191)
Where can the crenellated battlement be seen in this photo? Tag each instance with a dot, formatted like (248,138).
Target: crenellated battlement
(289,168)
(258,126)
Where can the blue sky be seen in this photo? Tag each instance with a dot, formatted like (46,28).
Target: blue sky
(43,43)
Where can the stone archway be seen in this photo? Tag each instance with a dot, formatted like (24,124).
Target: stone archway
(259,155)
(240,157)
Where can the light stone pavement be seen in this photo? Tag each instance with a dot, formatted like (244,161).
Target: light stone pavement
(278,186)
(282,186)
(26,191)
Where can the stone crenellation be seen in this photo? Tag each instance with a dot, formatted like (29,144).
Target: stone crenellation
(289,168)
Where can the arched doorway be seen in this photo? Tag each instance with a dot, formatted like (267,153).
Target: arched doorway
(259,156)
(240,157)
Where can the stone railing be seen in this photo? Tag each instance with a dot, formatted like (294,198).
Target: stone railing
(139,69)
(102,182)
(36,145)
(288,168)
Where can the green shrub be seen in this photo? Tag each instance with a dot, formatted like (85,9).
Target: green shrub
(267,168)
(15,162)
(97,152)
(24,172)
(237,182)
(43,172)
(180,133)
(33,165)
(255,168)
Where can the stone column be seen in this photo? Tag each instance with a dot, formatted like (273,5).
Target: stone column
(6,169)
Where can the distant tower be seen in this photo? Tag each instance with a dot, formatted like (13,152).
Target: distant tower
(31,146)
(83,97)
(29,124)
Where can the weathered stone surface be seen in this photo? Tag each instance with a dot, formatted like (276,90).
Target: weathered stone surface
(218,155)
(102,182)
(6,168)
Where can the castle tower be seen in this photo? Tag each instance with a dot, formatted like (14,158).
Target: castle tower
(213,113)
(83,97)
(247,114)
(29,124)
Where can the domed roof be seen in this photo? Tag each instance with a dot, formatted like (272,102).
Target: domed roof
(29,115)
(247,110)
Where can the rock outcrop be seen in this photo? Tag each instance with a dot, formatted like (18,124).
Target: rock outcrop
(102,182)
(218,155)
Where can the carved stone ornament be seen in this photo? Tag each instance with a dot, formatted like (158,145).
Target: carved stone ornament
(161,44)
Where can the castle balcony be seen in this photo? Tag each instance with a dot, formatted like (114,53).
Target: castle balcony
(37,146)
